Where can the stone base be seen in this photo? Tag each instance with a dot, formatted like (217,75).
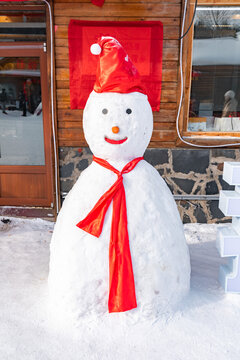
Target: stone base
(186,172)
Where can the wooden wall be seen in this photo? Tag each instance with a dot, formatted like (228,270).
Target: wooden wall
(168,12)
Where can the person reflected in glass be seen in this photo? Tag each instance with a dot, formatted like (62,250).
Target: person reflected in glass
(29,90)
(23,103)
(3,99)
(193,108)
(11,96)
(230,104)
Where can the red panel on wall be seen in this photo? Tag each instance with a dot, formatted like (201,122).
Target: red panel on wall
(141,39)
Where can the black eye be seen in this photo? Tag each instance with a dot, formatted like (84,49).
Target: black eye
(104,111)
(128,111)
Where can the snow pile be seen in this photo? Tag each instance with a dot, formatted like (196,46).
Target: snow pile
(79,262)
(205,326)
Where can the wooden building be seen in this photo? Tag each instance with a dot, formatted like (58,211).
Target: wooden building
(42,146)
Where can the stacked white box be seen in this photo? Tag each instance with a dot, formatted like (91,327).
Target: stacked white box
(228,238)
(229,203)
(231,173)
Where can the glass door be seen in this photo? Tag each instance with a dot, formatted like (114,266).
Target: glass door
(25,132)
(21,118)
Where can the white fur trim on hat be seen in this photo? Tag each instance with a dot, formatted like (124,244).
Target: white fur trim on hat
(95,49)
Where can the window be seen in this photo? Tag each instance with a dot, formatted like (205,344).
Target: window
(22,25)
(214,105)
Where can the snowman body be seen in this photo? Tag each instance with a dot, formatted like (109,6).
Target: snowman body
(79,265)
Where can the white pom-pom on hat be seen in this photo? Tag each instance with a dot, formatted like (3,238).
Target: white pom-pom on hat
(95,49)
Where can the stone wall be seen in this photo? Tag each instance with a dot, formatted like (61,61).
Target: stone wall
(188,172)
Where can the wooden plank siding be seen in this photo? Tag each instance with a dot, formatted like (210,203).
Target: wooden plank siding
(168,12)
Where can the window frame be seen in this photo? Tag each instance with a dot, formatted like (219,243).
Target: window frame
(199,137)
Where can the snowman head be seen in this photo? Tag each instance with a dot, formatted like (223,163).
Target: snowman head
(117,119)
(117,126)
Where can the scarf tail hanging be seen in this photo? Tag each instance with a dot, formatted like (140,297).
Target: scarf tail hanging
(122,295)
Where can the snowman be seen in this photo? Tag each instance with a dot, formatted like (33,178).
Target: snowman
(118,245)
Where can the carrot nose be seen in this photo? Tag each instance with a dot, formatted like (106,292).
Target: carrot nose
(115,129)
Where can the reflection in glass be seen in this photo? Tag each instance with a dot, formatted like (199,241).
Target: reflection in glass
(22,25)
(21,121)
(215,90)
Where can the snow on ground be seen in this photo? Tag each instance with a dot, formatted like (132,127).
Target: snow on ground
(205,326)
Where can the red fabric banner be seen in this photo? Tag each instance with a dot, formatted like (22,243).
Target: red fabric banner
(141,39)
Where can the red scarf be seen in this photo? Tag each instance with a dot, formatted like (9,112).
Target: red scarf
(121,280)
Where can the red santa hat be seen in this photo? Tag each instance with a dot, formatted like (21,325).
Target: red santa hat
(115,70)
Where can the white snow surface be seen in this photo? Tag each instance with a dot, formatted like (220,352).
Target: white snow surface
(206,324)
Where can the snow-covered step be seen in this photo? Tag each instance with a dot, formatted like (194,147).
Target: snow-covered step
(228,245)
(231,172)
(229,203)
